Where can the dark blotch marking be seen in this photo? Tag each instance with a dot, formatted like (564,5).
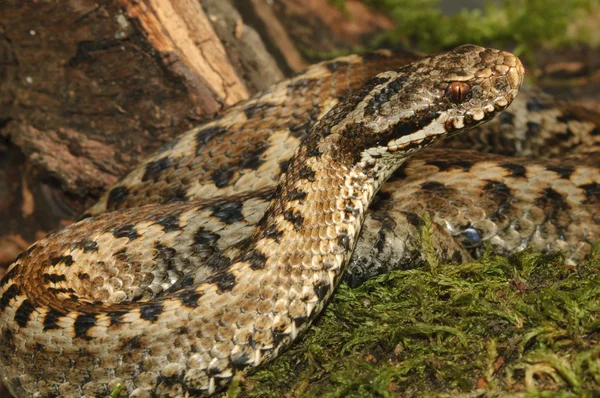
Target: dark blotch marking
(57,291)
(10,293)
(306,173)
(8,336)
(302,127)
(52,318)
(553,195)
(256,108)
(133,343)
(506,118)
(495,186)
(384,95)
(300,84)
(273,233)
(225,281)
(283,165)
(433,186)
(179,195)
(381,238)
(151,311)
(252,159)
(228,213)
(66,260)
(205,135)
(88,246)
(116,196)
(445,165)
(256,259)
(204,237)
(83,323)
(55,278)
(167,146)
(27,252)
(562,171)
(322,290)
(126,231)
(222,176)
(533,129)
(380,199)
(595,131)
(535,105)
(553,204)
(154,169)
(164,253)
(565,136)
(301,320)
(343,240)
(297,195)
(121,254)
(279,337)
(516,170)
(295,218)
(241,362)
(592,192)
(83,276)
(169,223)
(400,173)
(189,298)
(335,65)
(115,317)
(568,117)
(8,276)
(24,312)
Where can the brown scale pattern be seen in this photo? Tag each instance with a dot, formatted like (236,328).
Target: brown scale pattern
(171,299)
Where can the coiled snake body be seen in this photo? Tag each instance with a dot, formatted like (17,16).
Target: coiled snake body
(172,297)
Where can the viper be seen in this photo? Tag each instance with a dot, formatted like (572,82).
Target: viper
(217,251)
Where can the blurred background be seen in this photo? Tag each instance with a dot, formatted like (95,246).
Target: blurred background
(88,88)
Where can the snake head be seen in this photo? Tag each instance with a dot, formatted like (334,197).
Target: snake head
(403,110)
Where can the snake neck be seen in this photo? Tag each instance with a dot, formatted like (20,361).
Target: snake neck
(312,225)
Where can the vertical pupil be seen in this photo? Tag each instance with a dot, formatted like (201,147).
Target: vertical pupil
(458,92)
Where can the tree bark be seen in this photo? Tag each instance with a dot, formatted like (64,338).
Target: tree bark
(88,90)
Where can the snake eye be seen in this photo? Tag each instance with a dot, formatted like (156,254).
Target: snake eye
(458,92)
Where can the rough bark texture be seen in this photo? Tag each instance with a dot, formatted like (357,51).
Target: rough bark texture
(89,89)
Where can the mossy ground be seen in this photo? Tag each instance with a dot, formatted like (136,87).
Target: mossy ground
(526,325)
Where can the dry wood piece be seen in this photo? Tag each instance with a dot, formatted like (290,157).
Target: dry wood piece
(181,33)
(245,49)
(279,42)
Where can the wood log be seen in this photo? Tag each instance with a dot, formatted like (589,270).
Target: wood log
(89,89)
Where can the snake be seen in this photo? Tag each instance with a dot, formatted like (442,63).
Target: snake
(217,251)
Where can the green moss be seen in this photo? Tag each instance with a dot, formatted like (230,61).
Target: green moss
(524,325)
(519,24)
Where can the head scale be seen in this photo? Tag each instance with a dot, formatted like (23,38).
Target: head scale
(427,100)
